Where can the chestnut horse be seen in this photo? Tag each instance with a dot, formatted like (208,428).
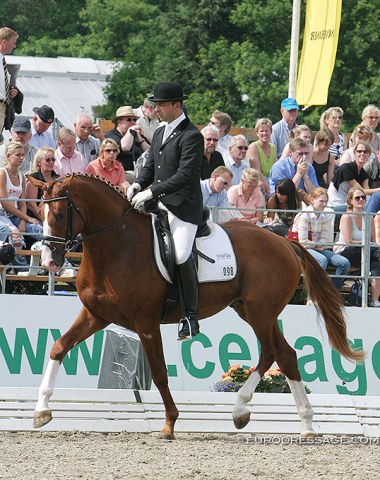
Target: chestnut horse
(118,282)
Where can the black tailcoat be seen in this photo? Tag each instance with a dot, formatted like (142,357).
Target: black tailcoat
(173,171)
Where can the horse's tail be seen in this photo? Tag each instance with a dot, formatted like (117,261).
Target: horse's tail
(327,301)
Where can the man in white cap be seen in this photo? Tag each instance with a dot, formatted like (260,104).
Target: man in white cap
(148,121)
(172,173)
(128,137)
(281,130)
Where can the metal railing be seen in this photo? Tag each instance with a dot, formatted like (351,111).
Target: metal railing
(365,269)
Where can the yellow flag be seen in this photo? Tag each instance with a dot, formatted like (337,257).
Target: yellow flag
(320,42)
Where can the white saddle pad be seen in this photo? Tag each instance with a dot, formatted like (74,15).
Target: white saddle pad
(217,246)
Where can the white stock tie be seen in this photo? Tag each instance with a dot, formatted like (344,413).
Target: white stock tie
(167,132)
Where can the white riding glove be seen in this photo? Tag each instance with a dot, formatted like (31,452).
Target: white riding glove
(139,199)
(133,190)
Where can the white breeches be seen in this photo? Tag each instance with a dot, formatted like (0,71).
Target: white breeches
(183,236)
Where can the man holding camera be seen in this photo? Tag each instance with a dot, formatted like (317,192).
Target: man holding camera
(294,167)
(127,134)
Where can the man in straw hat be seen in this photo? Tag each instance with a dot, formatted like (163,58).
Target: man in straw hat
(128,137)
(172,173)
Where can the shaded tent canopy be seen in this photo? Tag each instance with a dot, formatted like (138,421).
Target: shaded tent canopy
(68,85)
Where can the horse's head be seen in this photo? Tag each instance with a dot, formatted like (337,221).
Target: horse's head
(60,225)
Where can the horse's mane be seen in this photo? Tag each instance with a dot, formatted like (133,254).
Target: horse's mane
(98,179)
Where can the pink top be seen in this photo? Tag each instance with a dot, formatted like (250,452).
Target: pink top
(115,174)
(236,199)
(64,165)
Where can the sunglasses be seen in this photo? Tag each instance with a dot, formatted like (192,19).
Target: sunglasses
(361,151)
(359,197)
(130,119)
(365,130)
(52,159)
(109,150)
(241,147)
(224,182)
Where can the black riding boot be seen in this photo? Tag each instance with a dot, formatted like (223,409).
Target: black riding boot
(189,326)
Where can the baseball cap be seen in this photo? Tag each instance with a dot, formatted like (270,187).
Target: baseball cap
(21,124)
(45,113)
(289,104)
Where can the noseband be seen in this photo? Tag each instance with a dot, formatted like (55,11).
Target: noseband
(69,242)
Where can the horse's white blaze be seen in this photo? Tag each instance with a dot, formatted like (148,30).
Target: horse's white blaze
(46,256)
(46,227)
(303,406)
(47,386)
(245,395)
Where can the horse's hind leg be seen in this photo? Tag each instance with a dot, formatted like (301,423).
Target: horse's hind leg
(84,326)
(287,361)
(263,331)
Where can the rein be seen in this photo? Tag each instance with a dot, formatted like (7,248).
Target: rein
(69,242)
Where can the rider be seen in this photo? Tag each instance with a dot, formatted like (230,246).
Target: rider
(172,173)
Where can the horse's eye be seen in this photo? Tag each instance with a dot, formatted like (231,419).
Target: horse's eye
(58,216)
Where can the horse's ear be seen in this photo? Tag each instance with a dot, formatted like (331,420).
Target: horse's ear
(35,182)
(66,181)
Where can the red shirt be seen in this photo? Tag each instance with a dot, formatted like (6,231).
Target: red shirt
(115,175)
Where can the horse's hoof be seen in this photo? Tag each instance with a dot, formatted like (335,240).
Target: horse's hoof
(242,421)
(309,434)
(166,436)
(42,418)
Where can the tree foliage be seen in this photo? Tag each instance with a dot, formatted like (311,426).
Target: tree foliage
(229,54)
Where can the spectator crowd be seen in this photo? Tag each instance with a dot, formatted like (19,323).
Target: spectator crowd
(328,177)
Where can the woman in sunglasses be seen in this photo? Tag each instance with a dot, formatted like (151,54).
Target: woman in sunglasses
(360,134)
(42,169)
(12,186)
(247,195)
(332,119)
(262,154)
(370,119)
(349,175)
(350,232)
(107,166)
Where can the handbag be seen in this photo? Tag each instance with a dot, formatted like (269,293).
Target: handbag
(294,235)
(356,294)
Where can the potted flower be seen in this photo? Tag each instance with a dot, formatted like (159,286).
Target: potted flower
(273,381)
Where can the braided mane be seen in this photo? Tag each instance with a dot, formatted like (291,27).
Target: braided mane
(98,179)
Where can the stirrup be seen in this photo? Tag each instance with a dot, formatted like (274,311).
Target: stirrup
(185,321)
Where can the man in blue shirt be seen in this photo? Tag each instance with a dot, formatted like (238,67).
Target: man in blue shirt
(281,130)
(214,188)
(236,160)
(294,167)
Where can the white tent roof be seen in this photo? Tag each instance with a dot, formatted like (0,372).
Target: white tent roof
(68,85)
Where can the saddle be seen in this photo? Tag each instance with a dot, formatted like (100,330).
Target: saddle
(166,248)
(166,243)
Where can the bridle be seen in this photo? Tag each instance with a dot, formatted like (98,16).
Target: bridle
(69,242)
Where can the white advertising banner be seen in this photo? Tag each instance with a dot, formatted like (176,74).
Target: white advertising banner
(29,325)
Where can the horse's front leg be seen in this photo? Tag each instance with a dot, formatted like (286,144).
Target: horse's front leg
(240,413)
(84,326)
(152,343)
